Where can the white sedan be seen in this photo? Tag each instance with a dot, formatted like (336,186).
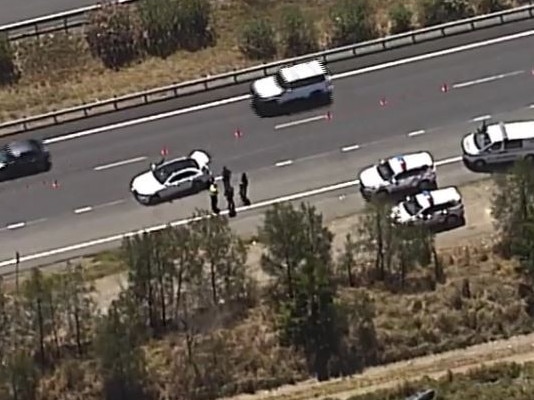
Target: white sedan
(169,179)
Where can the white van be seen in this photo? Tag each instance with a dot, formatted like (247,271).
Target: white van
(502,142)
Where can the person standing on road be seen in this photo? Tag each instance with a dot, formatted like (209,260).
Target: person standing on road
(226,178)
(243,188)
(231,204)
(214,194)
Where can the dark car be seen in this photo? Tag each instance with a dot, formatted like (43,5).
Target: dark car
(23,157)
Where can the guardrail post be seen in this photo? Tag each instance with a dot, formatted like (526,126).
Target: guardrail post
(145,96)
(65,25)
(86,111)
(24,125)
(55,117)
(472,25)
(115,106)
(501,18)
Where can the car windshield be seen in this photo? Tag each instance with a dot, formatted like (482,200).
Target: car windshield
(385,171)
(4,157)
(482,140)
(162,173)
(280,80)
(412,206)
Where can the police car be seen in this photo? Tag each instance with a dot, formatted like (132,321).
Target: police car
(434,207)
(409,173)
(306,81)
(169,179)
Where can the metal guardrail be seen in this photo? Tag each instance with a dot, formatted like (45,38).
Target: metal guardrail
(64,21)
(249,74)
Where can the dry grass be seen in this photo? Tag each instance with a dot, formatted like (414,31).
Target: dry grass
(59,72)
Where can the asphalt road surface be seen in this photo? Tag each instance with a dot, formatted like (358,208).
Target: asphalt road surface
(415,115)
(14,11)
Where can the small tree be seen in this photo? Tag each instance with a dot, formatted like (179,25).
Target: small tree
(113,35)
(298,256)
(160,20)
(298,32)
(195,24)
(352,22)
(434,12)
(121,361)
(401,18)
(9,72)
(513,211)
(258,39)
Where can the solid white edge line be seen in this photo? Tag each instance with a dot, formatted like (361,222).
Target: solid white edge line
(83,210)
(17,225)
(481,118)
(119,163)
(236,99)
(283,163)
(416,133)
(487,79)
(255,206)
(350,148)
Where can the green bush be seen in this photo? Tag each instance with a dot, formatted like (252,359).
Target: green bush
(194,23)
(352,22)
(489,6)
(160,23)
(298,33)
(434,12)
(257,39)
(113,35)
(9,72)
(401,18)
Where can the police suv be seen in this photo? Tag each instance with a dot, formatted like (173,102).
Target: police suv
(169,179)
(503,142)
(430,208)
(306,81)
(409,173)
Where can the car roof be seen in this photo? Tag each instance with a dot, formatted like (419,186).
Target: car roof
(438,196)
(515,130)
(410,161)
(179,163)
(302,71)
(19,147)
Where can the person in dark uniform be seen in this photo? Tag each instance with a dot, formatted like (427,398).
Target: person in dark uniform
(231,204)
(214,194)
(226,178)
(243,188)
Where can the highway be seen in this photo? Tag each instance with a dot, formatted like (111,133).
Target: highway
(416,114)
(14,11)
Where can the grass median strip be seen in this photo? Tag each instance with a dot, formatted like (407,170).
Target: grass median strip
(61,70)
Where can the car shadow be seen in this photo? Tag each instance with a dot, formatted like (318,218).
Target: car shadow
(448,227)
(497,168)
(184,194)
(20,175)
(295,108)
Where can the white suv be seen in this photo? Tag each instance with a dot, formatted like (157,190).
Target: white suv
(407,174)
(431,208)
(307,81)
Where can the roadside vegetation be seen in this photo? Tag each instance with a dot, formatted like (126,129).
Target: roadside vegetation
(500,381)
(158,42)
(196,321)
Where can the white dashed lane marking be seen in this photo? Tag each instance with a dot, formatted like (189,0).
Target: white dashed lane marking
(416,133)
(481,118)
(284,163)
(83,210)
(487,79)
(120,163)
(350,148)
(301,121)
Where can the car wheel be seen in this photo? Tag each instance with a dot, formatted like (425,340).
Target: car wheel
(427,185)
(47,166)
(479,164)
(452,220)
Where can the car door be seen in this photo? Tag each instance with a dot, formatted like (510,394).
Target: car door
(496,153)
(179,182)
